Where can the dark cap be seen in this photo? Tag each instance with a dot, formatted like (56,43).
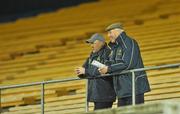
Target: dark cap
(95,37)
(114,26)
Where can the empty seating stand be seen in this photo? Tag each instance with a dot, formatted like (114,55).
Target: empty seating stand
(50,46)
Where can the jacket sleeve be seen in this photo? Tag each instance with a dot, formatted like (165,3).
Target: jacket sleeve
(123,62)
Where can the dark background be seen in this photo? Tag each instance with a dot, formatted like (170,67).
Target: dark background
(10,10)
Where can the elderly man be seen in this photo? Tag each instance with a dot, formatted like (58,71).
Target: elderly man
(125,55)
(100,91)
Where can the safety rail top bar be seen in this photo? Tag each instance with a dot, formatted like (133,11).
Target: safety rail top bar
(100,76)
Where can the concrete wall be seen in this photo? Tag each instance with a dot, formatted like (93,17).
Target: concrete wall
(165,107)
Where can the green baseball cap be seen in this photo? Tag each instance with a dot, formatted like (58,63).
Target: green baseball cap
(95,37)
(114,26)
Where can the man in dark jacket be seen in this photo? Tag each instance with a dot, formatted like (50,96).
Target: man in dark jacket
(100,91)
(125,55)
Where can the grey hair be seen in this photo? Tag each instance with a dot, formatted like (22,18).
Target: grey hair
(119,30)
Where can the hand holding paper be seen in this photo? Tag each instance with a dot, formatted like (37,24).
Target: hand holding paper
(102,68)
(97,64)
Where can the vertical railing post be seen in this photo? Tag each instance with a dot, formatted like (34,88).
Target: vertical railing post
(42,97)
(133,89)
(0,102)
(87,103)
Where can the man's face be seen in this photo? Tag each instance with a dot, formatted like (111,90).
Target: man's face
(96,46)
(112,35)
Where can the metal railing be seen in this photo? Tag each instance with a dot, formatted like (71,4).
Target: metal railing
(100,76)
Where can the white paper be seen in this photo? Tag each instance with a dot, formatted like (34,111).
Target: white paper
(97,64)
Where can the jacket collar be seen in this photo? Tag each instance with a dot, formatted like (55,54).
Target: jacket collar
(119,41)
(100,52)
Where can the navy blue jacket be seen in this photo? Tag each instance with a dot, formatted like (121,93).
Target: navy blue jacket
(101,89)
(125,55)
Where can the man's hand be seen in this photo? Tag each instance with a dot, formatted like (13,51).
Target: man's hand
(80,70)
(103,70)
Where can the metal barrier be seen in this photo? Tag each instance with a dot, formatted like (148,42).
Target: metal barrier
(100,76)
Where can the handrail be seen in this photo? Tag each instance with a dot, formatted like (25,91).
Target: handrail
(39,83)
(100,76)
